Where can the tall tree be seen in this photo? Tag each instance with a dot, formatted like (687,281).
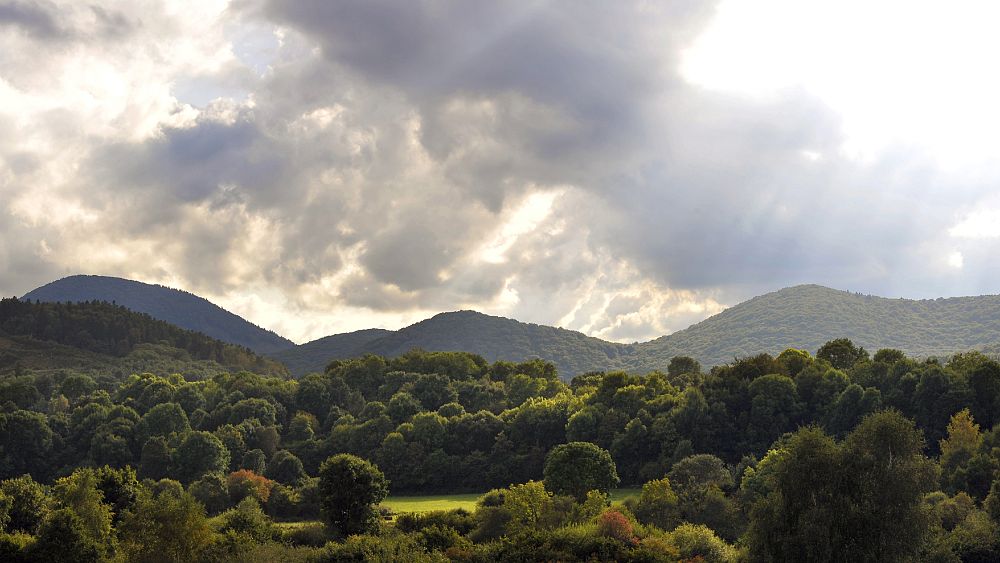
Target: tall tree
(349,489)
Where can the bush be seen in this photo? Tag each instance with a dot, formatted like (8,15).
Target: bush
(14,547)
(245,483)
(283,502)
(312,534)
(309,505)
(212,491)
(614,524)
(248,519)
(693,540)
(460,520)
(441,538)
(394,547)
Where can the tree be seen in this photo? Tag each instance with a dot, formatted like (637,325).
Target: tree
(957,449)
(255,461)
(985,384)
(402,406)
(80,494)
(856,501)
(350,488)
(526,504)
(286,468)
(891,475)
(64,537)
(212,492)
(26,443)
(841,353)
(200,453)
(658,505)
(166,528)
(578,467)
(244,483)
(162,420)
(683,365)
(119,487)
(154,463)
(28,503)
(992,503)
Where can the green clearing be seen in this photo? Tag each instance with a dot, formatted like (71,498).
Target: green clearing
(427,503)
(618,495)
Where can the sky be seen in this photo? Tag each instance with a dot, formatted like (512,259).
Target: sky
(619,168)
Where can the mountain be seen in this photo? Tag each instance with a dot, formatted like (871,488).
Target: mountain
(174,306)
(804,316)
(807,316)
(494,338)
(313,356)
(97,335)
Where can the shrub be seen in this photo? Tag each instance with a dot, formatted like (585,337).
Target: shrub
(283,502)
(245,483)
(440,538)
(15,547)
(695,540)
(614,524)
(312,534)
(460,520)
(248,519)
(212,491)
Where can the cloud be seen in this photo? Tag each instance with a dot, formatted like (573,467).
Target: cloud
(327,166)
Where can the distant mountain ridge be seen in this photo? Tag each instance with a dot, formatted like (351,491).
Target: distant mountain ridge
(174,306)
(804,316)
(807,316)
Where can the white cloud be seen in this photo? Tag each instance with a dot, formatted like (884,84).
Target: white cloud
(328,166)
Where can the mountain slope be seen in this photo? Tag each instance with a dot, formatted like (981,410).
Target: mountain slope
(176,307)
(807,316)
(313,356)
(494,338)
(99,330)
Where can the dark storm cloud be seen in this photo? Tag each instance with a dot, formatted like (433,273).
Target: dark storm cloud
(35,18)
(46,21)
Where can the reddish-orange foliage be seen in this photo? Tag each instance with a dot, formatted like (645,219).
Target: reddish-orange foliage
(245,482)
(613,524)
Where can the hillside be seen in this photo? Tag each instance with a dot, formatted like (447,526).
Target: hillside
(807,316)
(494,338)
(315,355)
(804,316)
(94,334)
(174,306)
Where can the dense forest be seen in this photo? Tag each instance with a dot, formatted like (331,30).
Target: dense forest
(174,306)
(96,331)
(835,456)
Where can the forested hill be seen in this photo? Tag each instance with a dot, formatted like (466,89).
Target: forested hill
(104,329)
(314,356)
(174,306)
(494,338)
(806,316)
